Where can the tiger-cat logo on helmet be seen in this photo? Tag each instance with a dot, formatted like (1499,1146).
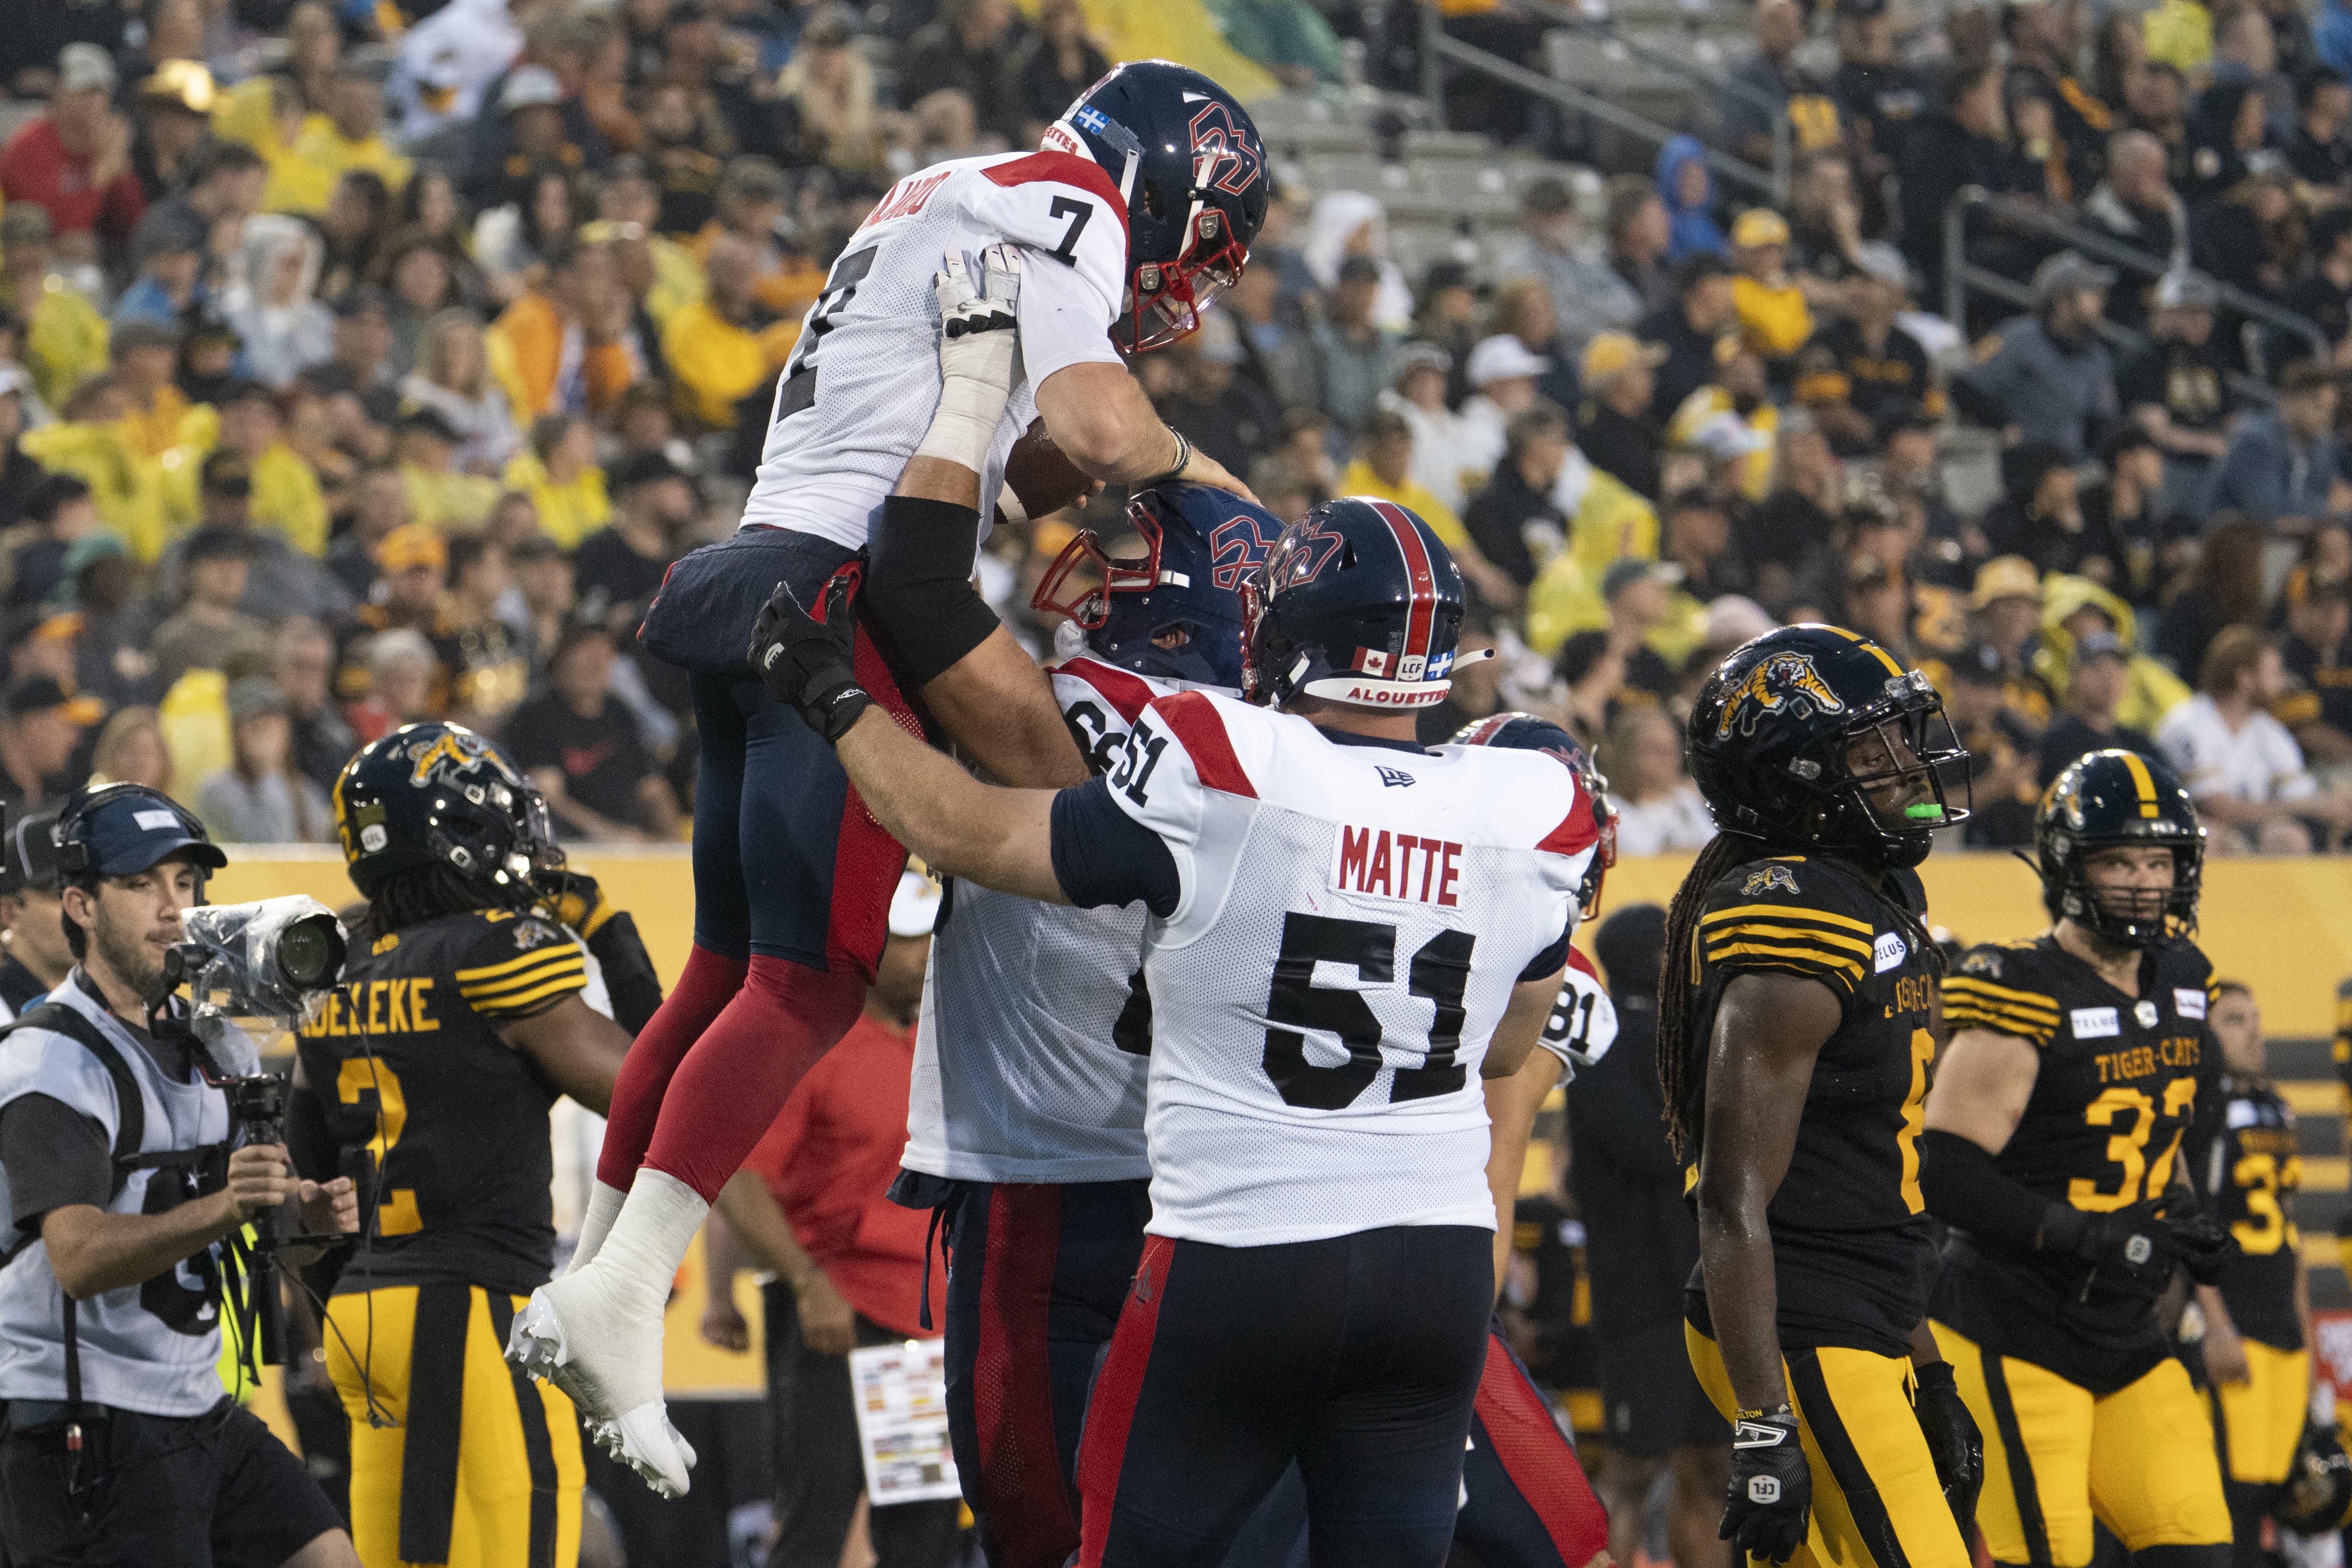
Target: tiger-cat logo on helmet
(455,748)
(1785,681)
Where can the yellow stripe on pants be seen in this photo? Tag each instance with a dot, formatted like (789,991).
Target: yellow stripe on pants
(1870,1464)
(374,1334)
(2140,1460)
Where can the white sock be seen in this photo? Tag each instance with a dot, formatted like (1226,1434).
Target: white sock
(603,1207)
(648,1241)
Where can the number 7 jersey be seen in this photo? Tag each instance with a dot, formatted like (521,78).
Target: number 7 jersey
(856,397)
(1351,921)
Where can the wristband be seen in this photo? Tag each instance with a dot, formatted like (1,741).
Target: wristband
(1781,1409)
(965,427)
(1183,459)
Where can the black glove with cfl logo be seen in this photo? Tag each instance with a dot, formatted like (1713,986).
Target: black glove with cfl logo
(1770,1498)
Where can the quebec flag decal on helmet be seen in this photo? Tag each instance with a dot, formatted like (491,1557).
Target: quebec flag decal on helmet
(1187,160)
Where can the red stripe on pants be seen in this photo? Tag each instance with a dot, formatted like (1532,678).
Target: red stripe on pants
(1540,1461)
(1102,1453)
(1022,1491)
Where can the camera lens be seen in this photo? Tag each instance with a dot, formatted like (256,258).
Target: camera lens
(309,954)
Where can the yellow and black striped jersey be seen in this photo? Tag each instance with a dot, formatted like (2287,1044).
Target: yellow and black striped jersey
(2120,1079)
(1850,1235)
(2248,1167)
(408,1064)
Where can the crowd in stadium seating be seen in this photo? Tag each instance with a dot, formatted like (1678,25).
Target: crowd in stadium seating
(365,364)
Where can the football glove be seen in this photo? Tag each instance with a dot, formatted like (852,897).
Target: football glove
(1767,1507)
(1953,1442)
(812,665)
(2139,1247)
(979,329)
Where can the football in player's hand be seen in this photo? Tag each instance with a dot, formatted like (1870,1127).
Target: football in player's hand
(1042,477)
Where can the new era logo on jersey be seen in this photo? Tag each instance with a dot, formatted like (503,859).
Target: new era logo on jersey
(1395,778)
(2096,1023)
(2189,1003)
(1376,861)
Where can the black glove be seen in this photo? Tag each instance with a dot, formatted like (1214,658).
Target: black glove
(1953,1442)
(1766,1507)
(812,665)
(2131,1246)
(2203,1245)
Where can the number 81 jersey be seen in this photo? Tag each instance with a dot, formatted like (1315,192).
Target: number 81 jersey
(857,393)
(1351,921)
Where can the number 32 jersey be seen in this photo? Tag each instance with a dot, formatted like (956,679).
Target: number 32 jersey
(2119,1082)
(857,393)
(1351,921)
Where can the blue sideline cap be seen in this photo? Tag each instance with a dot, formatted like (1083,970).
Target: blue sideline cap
(131,832)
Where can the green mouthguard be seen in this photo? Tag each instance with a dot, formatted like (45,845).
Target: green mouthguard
(1924,812)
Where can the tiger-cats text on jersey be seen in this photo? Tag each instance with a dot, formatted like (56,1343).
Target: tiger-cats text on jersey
(407,1061)
(1850,1234)
(2247,1167)
(2120,1080)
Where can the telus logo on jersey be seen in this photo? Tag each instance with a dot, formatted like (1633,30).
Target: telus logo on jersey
(1378,862)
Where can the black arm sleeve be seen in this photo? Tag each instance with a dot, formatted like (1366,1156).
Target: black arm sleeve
(1102,855)
(56,1157)
(918,585)
(629,977)
(1964,1188)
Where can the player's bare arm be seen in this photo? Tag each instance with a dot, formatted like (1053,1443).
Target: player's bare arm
(1098,415)
(1001,839)
(975,678)
(1768,1029)
(1512,1103)
(1983,1084)
(577,1047)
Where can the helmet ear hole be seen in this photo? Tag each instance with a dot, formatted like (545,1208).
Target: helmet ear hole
(1152,201)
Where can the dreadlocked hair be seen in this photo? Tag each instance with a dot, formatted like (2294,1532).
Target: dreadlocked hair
(411,898)
(1678,972)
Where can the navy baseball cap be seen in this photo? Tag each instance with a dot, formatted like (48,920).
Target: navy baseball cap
(122,830)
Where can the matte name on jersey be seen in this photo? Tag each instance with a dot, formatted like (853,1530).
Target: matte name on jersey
(1374,861)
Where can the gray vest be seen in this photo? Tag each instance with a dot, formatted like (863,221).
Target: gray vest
(150,1347)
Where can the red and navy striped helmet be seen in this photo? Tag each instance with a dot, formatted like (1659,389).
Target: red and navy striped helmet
(1357,603)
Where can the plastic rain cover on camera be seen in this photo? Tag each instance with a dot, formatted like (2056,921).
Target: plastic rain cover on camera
(241,995)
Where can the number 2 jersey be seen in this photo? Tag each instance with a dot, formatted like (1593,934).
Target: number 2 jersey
(1350,922)
(2121,1078)
(1850,1232)
(408,1064)
(1031,1057)
(856,397)
(2248,1167)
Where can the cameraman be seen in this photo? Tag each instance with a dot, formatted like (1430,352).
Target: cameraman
(119,1446)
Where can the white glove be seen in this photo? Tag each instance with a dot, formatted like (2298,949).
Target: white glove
(979,330)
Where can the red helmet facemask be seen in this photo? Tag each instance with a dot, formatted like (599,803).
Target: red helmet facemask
(1165,301)
(1084,598)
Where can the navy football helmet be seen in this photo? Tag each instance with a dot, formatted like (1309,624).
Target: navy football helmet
(1526,732)
(439,795)
(1189,164)
(2117,799)
(1358,603)
(1201,544)
(1796,731)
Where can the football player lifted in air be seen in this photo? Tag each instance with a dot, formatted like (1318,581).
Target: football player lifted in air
(1137,211)
(2077,1063)
(466,1007)
(1317,1280)
(1795,1031)
(2243,1159)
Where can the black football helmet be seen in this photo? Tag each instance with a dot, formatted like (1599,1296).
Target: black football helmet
(1772,738)
(439,795)
(1188,164)
(1358,603)
(2107,800)
(1526,732)
(2319,1494)
(1201,544)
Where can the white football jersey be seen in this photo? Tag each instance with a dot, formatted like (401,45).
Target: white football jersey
(1583,1021)
(1027,1068)
(1351,921)
(856,397)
